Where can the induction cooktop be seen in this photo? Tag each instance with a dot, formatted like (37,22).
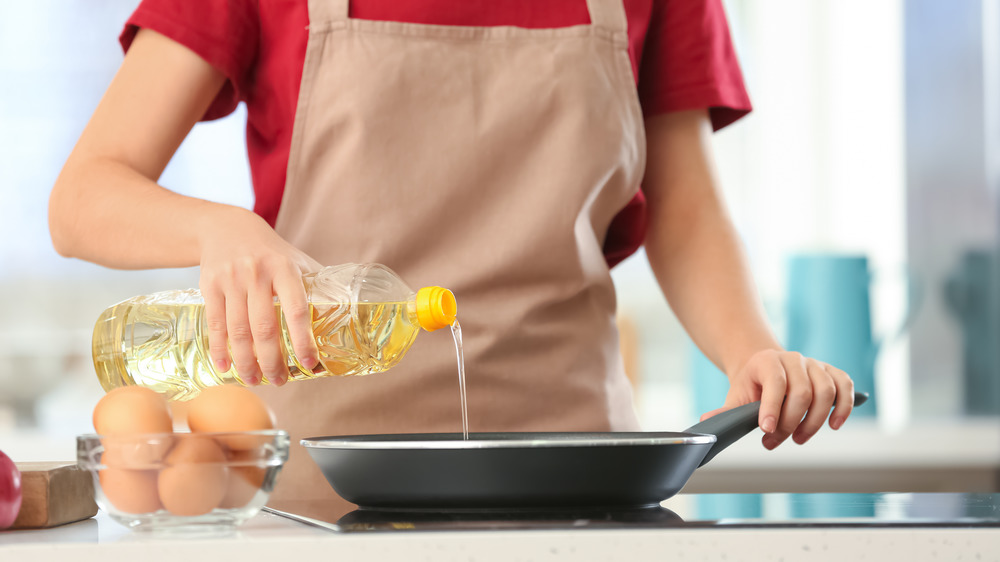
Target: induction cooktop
(682,511)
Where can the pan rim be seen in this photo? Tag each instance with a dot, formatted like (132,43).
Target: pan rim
(354,442)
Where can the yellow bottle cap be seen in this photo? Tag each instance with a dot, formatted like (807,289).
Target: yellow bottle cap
(436,308)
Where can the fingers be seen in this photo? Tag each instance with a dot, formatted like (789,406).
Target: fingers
(824,392)
(798,397)
(263,314)
(245,265)
(215,321)
(298,318)
(845,396)
(241,338)
(230,343)
(773,382)
(812,388)
(243,320)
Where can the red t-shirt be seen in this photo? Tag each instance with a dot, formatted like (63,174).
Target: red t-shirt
(680,49)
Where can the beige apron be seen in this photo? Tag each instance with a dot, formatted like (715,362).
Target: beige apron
(486,160)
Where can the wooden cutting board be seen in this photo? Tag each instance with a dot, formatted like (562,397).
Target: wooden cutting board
(54,493)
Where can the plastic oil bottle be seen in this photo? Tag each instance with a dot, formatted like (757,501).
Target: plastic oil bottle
(364,319)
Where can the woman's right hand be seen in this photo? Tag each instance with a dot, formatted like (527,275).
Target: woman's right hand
(244,266)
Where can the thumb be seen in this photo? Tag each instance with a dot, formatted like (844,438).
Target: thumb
(733,400)
(714,412)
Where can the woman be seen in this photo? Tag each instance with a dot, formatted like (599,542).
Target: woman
(495,148)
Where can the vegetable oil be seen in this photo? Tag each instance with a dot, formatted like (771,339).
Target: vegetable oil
(364,319)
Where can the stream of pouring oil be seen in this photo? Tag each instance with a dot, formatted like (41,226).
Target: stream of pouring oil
(456,332)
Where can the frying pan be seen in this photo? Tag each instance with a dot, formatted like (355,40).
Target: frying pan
(524,470)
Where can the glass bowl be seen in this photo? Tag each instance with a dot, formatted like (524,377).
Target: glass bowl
(183,481)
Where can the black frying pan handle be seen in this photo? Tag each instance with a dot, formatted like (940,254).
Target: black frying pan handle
(731,425)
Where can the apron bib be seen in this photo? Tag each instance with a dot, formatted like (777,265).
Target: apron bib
(486,160)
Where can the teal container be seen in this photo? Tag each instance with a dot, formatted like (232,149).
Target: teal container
(972,293)
(829,315)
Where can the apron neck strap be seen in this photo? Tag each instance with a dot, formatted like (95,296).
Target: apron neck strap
(325,11)
(608,14)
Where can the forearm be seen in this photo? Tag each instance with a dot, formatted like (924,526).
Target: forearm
(694,249)
(105,212)
(701,268)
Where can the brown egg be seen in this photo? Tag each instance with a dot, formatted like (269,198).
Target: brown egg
(130,410)
(244,481)
(123,414)
(230,408)
(194,478)
(128,490)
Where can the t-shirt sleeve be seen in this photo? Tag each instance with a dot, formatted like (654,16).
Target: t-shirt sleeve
(222,32)
(688,62)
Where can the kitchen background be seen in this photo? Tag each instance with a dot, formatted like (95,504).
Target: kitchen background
(865,185)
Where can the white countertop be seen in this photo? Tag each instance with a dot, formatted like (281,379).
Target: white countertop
(268,537)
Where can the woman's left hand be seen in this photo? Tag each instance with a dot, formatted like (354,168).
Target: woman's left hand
(795,393)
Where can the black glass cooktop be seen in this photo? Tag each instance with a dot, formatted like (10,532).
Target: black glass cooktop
(683,511)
